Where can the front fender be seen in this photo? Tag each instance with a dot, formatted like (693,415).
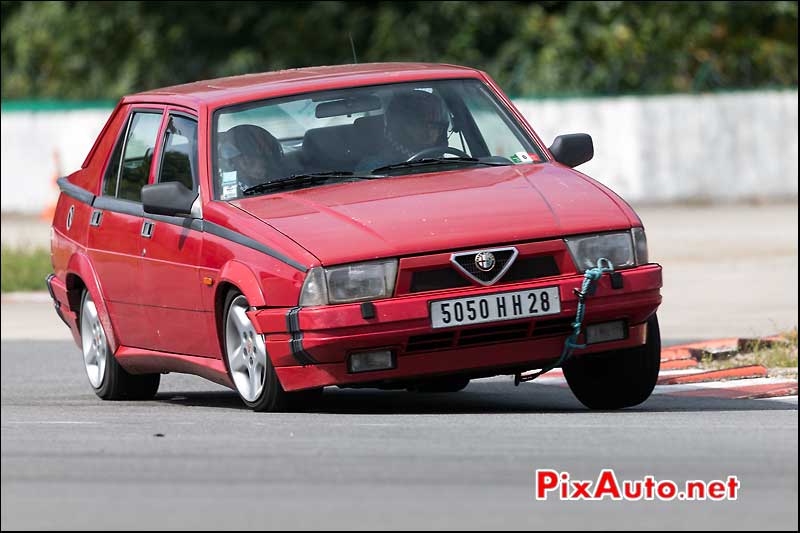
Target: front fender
(241,276)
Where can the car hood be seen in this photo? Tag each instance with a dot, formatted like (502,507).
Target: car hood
(457,209)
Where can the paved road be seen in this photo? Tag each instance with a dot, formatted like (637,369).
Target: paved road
(369,459)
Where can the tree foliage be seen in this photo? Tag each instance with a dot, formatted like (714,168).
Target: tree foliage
(88,50)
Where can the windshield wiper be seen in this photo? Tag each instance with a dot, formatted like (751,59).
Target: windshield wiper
(304,178)
(430,161)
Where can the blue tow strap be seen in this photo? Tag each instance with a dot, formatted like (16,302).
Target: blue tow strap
(590,278)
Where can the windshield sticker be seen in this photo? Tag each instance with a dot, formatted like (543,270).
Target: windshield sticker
(521,158)
(229,177)
(229,191)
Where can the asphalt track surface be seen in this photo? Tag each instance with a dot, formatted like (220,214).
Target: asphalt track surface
(393,460)
(195,458)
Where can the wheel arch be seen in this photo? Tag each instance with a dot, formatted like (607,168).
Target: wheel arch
(80,276)
(238,277)
(235,276)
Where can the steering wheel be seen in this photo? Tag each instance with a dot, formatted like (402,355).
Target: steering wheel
(433,150)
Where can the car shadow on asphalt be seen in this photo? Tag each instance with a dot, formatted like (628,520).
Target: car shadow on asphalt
(479,398)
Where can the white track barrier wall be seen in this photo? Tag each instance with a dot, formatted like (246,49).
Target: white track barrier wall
(718,148)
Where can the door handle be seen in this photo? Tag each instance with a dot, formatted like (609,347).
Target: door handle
(97,217)
(147,229)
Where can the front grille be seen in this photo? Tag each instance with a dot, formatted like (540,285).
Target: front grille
(524,268)
(434,280)
(467,262)
(510,332)
(434,341)
(488,335)
(559,326)
(531,268)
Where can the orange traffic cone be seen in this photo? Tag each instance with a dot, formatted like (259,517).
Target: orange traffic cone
(49,212)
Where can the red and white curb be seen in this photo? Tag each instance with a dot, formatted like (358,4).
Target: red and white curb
(680,375)
(749,388)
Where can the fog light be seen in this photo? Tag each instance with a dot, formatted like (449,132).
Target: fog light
(370,361)
(607,331)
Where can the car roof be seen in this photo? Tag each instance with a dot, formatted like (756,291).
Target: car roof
(235,89)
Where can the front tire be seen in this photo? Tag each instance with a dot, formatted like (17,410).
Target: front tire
(249,366)
(614,380)
(108,379)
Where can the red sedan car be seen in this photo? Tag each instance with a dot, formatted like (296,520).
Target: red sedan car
(384,225)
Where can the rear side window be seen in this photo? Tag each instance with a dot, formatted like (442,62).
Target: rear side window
(112,170)
(129,167)
(179,156)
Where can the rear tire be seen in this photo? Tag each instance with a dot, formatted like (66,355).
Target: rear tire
(108,379)
(614,380)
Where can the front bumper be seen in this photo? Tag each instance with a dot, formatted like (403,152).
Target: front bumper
(309,346)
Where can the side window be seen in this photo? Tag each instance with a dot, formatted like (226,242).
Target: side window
(179,154)
(137,155)
(112,170)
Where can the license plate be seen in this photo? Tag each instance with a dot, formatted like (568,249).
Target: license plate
(495,307)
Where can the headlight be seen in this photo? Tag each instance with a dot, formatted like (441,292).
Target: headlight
(349,283)
(640,246)
(616,247)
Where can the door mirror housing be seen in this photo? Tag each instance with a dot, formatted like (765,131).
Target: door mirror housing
(170,199)
(572,149)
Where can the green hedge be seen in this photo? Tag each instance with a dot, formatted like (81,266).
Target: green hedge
(103,50)
(25,270)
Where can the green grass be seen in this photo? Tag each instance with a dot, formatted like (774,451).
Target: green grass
(25,270)
(775,355)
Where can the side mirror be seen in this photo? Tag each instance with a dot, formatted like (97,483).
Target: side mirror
(572,149)
(171,199)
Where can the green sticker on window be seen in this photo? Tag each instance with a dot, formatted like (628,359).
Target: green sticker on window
(521,157)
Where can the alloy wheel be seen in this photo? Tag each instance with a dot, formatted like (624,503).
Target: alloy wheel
(93,339)
(245,350)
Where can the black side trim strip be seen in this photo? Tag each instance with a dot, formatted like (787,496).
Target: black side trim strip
(126,207)
(296,342)
(293,320)
(135,209)
(302,356)
(225,233)
(73,191)
(184,222)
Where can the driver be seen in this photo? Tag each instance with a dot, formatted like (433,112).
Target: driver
(412,122)
(415,121)
(253,153)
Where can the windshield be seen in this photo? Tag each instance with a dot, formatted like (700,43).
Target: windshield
(374,131)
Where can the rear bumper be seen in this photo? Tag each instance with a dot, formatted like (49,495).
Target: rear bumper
(58,292)
(309,346)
